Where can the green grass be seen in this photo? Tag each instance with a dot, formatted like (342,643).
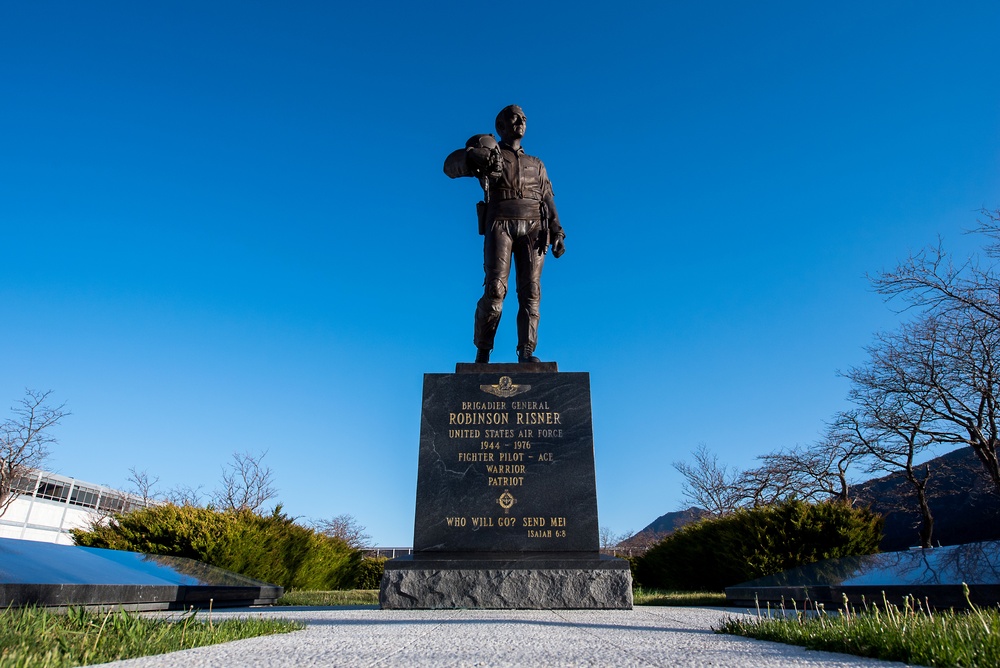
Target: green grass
(326,598)
(911,634)
(41,638)
(644,596)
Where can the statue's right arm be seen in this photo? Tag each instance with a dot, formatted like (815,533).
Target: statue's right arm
(456,165)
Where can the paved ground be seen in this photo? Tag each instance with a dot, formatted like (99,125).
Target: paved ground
(646,636)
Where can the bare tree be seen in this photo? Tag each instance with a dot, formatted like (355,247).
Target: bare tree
(640,542)
(346,528)
(25,440)
(818,472)
(185,495)
(143,485)
(111,503)
(830,463)
(895,439)
(892,421)
(773,481)
(609,539)
(946,360)
(710,485)
(247,483)
(944,368)
(932,282)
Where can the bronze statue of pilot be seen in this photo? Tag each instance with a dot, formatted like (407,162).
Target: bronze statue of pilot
(518,219)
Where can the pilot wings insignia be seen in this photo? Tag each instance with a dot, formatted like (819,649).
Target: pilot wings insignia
(505,388)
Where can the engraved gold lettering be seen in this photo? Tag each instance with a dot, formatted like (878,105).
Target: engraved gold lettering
(506,521)
(557,521)
(504,481)
(463,433)
(550,433)
(505,468)
(455,521)
(532,521)
(539,533)
(530,405)
(499,433)
(481,522)
(545,457)
(484,405)
(478,418)
(475,456)
(512,456)
(539,418)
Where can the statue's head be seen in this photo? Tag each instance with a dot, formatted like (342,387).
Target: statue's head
(511,122)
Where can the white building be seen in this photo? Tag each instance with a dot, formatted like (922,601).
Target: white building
(49,505)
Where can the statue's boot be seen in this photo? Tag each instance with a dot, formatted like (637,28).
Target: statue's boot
(524,356)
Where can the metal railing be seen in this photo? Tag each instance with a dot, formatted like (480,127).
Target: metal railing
(387,552)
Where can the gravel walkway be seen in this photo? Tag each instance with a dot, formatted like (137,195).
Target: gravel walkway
(366,636)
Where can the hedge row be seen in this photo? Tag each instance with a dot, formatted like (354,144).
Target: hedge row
(370,573)
(713,554)
(706,555)
(272,548)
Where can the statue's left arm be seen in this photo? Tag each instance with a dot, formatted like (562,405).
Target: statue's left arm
(556,233)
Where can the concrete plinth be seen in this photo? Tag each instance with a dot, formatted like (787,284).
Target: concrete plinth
(538,582)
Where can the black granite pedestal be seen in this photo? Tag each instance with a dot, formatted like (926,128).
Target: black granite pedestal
(506,513)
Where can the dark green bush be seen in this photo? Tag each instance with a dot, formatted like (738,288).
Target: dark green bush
(716,553)
(370,573)
(633,564)
(271,548)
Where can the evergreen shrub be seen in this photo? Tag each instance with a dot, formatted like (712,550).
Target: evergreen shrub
(272,548)
(633,564)
(713,554)
(370,573)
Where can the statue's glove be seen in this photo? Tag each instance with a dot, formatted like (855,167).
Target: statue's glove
(496,162)
(559,246)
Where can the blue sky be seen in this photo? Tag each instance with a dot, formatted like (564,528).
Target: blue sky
(225,225)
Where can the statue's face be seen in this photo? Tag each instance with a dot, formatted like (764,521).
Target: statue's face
(514,124)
